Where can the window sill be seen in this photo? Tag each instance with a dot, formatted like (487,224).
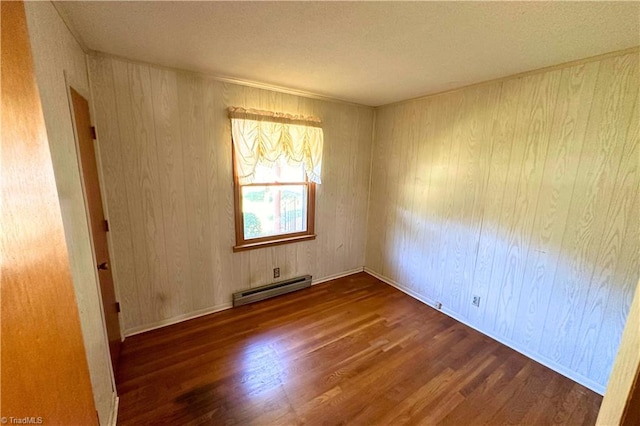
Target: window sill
(287,240)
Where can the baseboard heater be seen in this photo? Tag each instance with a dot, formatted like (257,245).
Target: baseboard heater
(271,290)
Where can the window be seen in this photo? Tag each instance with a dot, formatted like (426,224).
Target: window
(276,161)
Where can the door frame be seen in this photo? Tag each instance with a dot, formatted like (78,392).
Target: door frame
(113,266)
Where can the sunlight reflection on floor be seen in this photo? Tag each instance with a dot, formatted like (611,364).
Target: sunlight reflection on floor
(262,366)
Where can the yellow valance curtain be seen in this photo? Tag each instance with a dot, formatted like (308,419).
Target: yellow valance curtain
(262,137)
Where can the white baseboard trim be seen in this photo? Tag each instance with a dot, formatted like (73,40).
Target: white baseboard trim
(336,276)
(113,416)
(402,288)
(178,318)
(202,312)
(578,378)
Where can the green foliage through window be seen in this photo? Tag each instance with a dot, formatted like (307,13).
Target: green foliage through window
(252,225)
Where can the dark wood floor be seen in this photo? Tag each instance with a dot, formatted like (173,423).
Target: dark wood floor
(351,351)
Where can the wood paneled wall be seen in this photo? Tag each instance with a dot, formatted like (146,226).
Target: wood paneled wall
(523,192)
(165,152)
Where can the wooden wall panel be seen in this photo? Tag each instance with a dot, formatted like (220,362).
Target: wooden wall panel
(191,109)
(129,173)
(604,141)
(626,266)
(165,145)
(523,192)
(444,183)
(171,177)
(620,122)
(502,130)
(536,109)
(112,162)
(568,130)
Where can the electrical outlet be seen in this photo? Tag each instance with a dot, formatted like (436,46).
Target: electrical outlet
(476,301)
(276,272)
(438,305)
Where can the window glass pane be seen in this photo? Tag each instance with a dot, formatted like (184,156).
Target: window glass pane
(274,210)
(279,172)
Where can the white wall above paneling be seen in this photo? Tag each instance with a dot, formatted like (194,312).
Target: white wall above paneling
(165,149)
(523,192)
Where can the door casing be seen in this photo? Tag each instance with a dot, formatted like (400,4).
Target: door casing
(90,178)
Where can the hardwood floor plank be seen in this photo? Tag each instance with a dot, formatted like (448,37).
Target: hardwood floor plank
(349,351)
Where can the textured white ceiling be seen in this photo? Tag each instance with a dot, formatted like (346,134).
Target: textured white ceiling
(371,53)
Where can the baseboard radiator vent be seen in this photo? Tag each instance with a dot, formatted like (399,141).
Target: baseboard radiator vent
(271,290)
